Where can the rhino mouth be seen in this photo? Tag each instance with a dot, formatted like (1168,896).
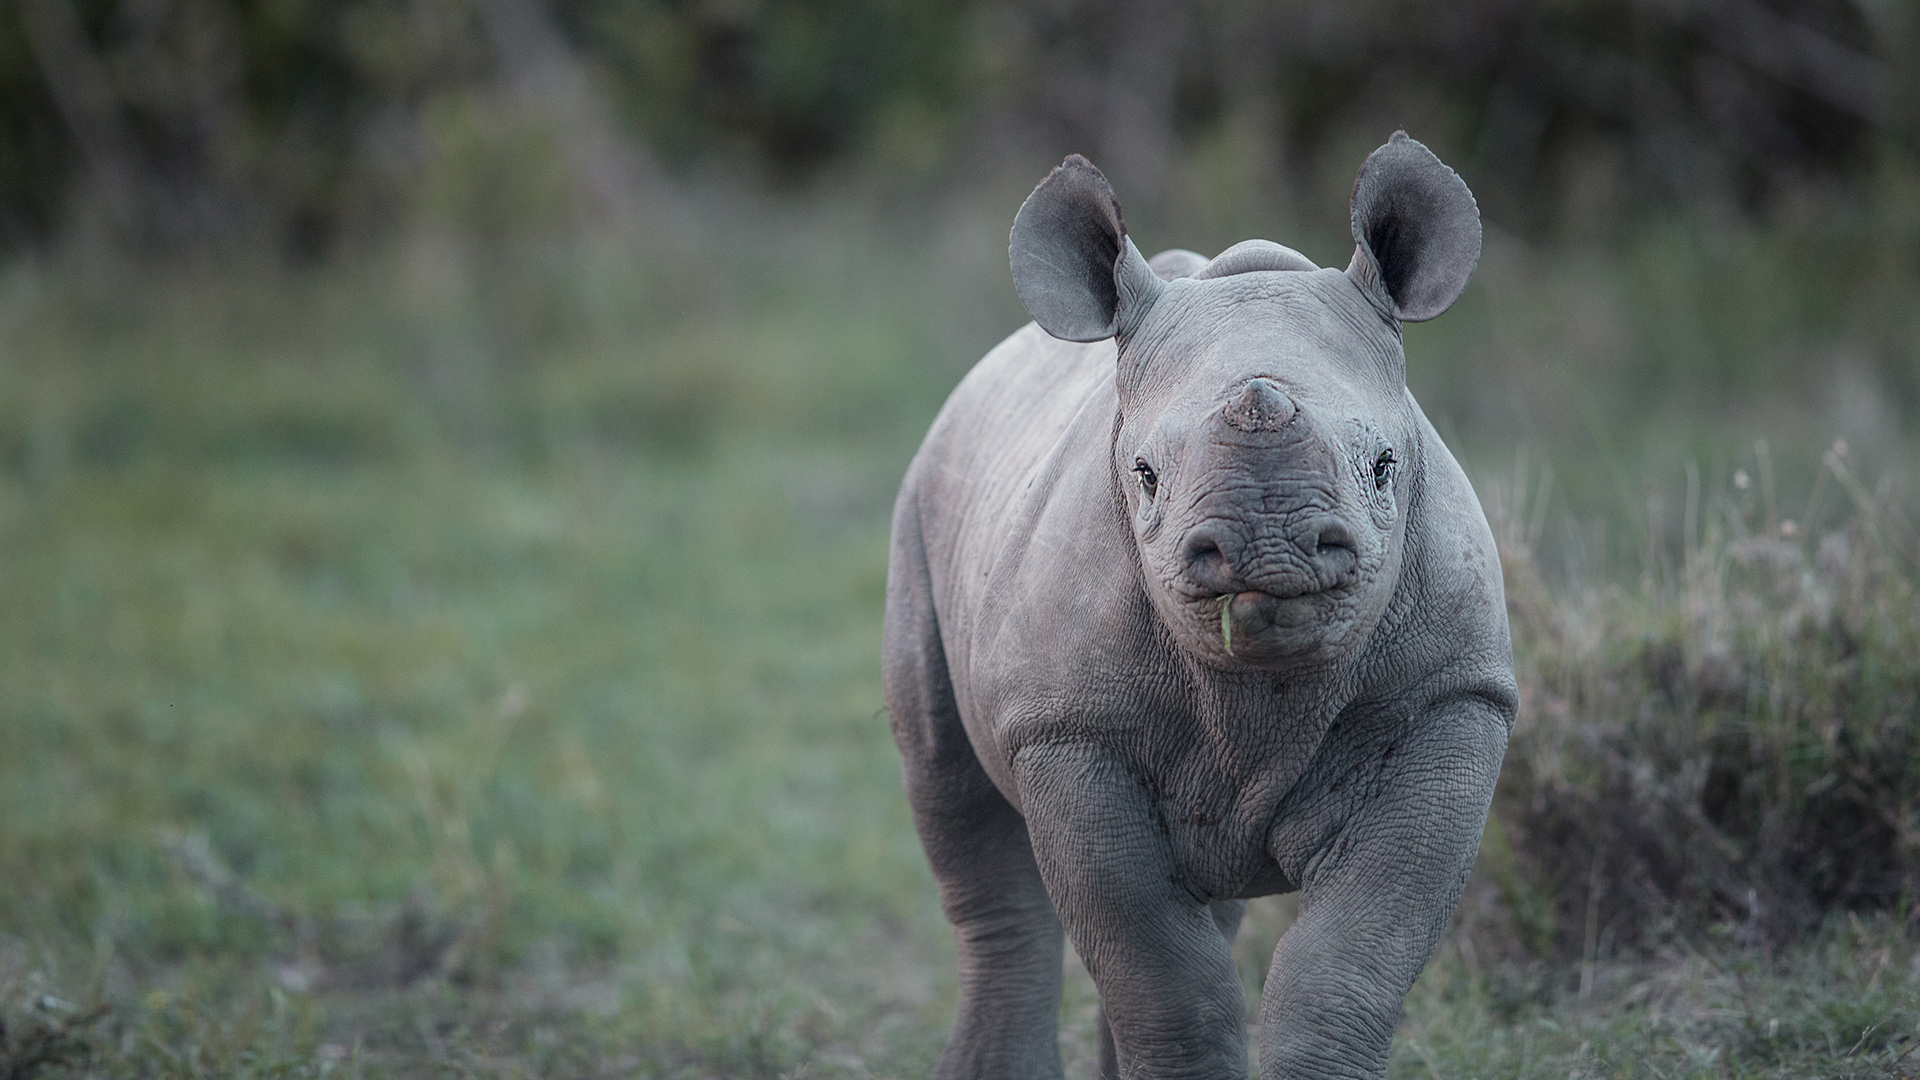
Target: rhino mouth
(1254,622)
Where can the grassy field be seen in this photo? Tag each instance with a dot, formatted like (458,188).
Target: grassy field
(465,663)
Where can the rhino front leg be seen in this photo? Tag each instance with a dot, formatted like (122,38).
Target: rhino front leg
(1167,984)
(1226,915)
(1376,897)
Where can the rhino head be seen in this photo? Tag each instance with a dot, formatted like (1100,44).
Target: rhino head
(1266,447)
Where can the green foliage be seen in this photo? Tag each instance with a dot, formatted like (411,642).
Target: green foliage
(797,81)
(308,125)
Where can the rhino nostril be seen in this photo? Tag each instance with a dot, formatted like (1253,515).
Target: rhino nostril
(1334,546)
(1333,534)
(1207,564)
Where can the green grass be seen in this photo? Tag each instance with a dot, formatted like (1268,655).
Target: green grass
(1842,1005)
(592,729)
(417,667)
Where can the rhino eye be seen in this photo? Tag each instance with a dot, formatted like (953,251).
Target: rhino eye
(1149,481)
(1382,465)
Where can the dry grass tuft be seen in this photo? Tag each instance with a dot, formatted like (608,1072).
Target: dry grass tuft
(1729,748)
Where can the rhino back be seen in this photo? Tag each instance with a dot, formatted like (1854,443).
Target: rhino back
(1012,494)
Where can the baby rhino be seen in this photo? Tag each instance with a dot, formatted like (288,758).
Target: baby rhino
(1188,604)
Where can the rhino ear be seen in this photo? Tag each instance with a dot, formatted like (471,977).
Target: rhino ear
(1078,274)
(1416,231)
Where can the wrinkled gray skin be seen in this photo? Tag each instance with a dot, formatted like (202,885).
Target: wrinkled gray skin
(1126,700)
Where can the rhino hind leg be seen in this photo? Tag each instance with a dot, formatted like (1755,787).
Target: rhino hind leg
(1226,915)
(1009,939)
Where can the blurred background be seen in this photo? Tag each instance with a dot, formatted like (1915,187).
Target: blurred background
(1702,209)
(446,449)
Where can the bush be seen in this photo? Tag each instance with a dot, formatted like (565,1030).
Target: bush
(1729,749)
